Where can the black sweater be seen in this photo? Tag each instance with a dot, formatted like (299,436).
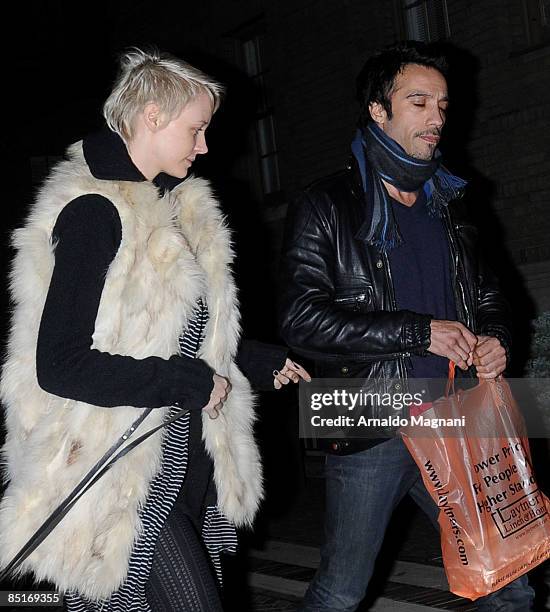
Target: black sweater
(422,277)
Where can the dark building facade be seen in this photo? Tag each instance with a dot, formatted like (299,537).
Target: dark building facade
(289,115)
(303,56)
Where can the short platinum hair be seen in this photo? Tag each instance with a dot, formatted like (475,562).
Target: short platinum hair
(161,78)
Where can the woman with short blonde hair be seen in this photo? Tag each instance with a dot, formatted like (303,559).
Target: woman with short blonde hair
(125,314)
(153,77)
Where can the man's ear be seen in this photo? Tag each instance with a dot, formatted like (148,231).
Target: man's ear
(152,117)
(378,113)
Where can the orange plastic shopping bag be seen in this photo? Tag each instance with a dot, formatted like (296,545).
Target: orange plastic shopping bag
(494,520)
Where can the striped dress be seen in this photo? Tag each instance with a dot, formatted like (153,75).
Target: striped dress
(217,533)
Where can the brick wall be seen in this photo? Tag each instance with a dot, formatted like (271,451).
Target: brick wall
(315,48)
(510,142)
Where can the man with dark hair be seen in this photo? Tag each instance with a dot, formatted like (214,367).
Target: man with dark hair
(382,281)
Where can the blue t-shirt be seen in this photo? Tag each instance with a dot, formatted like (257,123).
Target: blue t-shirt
(422,276)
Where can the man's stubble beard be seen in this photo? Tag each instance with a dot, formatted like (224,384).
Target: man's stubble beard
(423,157)
(426,156)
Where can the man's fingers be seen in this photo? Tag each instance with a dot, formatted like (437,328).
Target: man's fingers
(492,369)
(460,349)
(460,353)
(491,374)
(489,357)
(490,349)
(487,369)
(460,356)
(496,355)
(485,348)
(498,364)
(486,359)
(453,340)
(470,338)
(459,360)
(467,339)
(463,365)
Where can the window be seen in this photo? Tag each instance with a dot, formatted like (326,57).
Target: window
(537,21)
(265,121)
(426,20)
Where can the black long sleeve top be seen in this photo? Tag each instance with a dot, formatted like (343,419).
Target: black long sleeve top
(87,236)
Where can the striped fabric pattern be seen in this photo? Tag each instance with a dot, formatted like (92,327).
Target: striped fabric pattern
(218,534)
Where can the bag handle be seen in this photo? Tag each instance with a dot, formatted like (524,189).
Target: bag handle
(94,474)
(492,383)
(450,379)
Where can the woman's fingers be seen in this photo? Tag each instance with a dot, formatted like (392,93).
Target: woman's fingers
(212,412)
(296,367)
(291,372)
(220,391)
(282,379)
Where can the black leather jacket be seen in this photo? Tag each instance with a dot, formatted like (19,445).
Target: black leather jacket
(338,306)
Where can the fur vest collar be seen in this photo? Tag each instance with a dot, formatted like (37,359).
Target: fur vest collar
(174,248)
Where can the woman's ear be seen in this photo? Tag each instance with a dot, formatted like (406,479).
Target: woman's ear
(152,117)
(378,113)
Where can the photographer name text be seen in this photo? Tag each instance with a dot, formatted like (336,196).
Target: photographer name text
(392,421)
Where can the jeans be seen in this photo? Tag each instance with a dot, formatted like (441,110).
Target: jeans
(362,491)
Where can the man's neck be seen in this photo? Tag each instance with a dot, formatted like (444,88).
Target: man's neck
(408,198)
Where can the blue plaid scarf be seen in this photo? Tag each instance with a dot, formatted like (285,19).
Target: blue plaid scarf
(387,160)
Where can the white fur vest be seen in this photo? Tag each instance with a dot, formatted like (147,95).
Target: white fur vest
(174,248)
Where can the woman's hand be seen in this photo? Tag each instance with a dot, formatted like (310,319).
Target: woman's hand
(221,390)
(291,372)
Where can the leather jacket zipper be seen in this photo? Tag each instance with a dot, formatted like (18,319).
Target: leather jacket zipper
(460,299)
(403,355)
(351,299)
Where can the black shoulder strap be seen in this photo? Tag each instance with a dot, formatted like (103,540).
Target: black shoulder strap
(94,474)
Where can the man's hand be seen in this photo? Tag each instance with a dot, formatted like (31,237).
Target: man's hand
(489,357)
(454,341)
(291,371)
(219,394)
